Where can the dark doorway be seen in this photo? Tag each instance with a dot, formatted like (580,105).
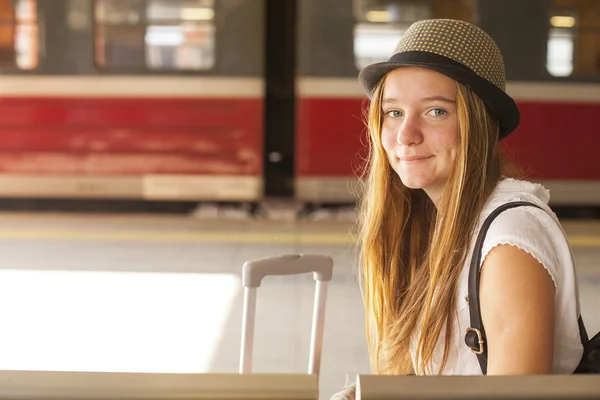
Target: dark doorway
(280,97)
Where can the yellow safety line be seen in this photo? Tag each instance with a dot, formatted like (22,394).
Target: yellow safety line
(322,238)
(584,241)
(195,237)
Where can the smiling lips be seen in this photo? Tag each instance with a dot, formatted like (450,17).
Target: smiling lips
(415,158)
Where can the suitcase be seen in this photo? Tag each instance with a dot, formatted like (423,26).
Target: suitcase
(290,264)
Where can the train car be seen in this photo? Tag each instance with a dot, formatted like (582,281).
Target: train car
(242,100)
(132,99)
(552,54)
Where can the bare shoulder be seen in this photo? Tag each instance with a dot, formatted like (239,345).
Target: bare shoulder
(513,266)
(535,236)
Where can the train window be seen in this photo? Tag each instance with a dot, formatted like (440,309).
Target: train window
(181,34)
(559,59)
(379,24)
(574,38)
(119,33)
(19,34)
(156,34)
(26,34)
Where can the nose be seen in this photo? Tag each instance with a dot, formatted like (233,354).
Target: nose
(409,132)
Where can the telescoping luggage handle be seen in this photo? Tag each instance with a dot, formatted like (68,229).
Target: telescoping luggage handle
(291,264)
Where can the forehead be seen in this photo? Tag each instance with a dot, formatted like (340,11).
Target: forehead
(410,83)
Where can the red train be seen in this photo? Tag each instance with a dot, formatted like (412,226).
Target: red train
(239,100)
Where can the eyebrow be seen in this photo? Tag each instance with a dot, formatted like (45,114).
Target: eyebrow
(425,99)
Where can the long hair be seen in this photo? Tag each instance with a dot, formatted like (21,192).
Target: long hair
(412,252)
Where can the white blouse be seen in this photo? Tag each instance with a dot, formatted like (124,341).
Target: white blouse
(539,233)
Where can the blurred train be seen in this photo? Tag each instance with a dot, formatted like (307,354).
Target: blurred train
(241,100)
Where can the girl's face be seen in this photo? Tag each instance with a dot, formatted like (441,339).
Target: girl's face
(420,127)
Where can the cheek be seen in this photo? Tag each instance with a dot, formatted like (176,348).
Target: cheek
(453,146)
(446,142)
(387,140)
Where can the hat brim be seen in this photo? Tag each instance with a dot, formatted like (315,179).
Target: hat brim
(502,107)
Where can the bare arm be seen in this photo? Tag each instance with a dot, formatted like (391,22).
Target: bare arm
(517,310)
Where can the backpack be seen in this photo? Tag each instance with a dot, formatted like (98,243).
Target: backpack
(475,337)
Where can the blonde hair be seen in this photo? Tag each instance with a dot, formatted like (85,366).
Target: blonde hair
(411,252)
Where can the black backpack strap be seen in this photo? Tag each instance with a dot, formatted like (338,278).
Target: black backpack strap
(475,337)
(582,332)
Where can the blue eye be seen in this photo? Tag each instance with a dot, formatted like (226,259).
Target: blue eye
(437,112)
(394,113)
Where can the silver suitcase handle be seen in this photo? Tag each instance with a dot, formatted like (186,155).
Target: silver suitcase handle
(290,264)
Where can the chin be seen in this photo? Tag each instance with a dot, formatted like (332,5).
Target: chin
(413,182)
(413,185)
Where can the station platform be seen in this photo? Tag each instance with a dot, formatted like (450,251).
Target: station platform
(162,293)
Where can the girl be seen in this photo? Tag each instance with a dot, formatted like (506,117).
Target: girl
(438,110)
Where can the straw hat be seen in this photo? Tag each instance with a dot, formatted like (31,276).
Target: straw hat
(459,50)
